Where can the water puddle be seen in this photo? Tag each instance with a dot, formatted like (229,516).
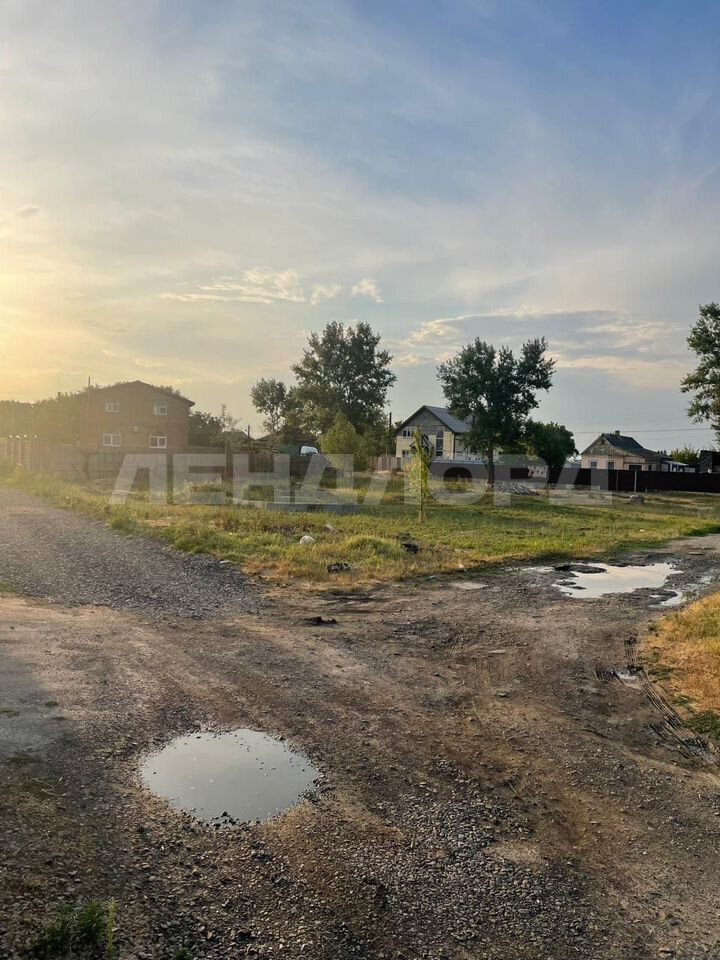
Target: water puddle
(222,779)
(587,582)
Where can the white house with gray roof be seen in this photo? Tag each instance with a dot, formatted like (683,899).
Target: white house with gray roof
(615,451)
(444,433)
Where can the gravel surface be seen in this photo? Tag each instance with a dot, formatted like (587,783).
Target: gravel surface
(491,789)
(65,558)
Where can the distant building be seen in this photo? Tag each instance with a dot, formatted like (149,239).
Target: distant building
(444,434)
(615,451)
(134,417)
(709,461)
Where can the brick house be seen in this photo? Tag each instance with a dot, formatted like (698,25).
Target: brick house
(134,417)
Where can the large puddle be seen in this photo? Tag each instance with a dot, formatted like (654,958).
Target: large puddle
(227,778)
(592,580)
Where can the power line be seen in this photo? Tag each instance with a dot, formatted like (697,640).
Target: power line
(659,430)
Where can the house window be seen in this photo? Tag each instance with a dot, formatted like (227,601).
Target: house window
(112,440)
(593,464)
(158,441)
(112,406)
(635,466)
(407,432)
(439,442)
(611,465)
(160,409)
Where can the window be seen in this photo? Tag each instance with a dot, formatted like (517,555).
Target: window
(611,465)
(160,409)
(439,442)
(158,441)
(635,466)
(407,432)
(593,464)
(112,406)
(112,440)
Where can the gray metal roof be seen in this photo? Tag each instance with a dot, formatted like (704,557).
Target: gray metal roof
(621,442)
(444,416)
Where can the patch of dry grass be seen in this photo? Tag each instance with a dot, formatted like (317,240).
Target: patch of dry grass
(683,652)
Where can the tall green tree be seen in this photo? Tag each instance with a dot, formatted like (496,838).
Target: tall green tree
(342,371)
(551,442)
(270,398)
(704,381)
(495,391)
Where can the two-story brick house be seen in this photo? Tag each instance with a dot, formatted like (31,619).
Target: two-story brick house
(134,417)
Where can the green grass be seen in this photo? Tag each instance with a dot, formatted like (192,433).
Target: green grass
(454,537)
(86,932)
(707,724)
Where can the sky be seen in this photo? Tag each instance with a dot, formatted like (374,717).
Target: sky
(188,188)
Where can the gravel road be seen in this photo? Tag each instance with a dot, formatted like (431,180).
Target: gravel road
(499,783)
(65,558)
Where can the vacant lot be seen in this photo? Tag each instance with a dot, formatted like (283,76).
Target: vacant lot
(493,788)
(375,541)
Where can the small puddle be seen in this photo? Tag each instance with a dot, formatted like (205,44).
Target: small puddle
(601,579)
(225,778)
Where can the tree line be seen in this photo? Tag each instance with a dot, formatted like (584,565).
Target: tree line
(342,380)
(340,392)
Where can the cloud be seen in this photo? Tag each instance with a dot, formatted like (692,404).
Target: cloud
(325,291)
(602,340)
(25,212)
(367,288)
(254,286)
(409,360)
(443,328)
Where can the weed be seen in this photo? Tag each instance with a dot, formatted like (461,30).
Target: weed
(52,703)
(183,954)
(9,712)
(85,932)
(706,724)
(110,930)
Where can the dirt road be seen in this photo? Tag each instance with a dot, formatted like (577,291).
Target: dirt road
(492,789)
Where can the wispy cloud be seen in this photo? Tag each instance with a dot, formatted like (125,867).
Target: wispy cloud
(253,286)
(367,288)
(325,291)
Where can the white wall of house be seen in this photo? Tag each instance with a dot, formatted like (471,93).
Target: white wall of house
(619,461)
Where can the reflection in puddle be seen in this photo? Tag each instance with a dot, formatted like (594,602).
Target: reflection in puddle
(606,579)
(224,778)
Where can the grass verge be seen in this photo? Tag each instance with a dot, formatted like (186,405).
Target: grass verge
(453,538)
(682,653)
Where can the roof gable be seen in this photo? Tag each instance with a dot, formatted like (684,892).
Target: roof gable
(443,415)
(621,442)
